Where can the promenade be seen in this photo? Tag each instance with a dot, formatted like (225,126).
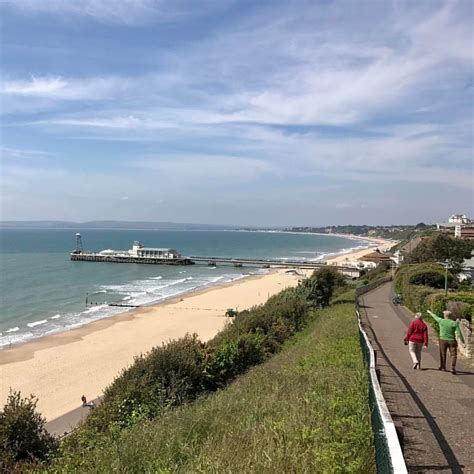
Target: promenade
(434,409)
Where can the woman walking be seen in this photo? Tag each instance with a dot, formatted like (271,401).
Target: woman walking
(416,338)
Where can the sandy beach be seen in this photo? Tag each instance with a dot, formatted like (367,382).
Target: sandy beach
(351,258)
(60,368)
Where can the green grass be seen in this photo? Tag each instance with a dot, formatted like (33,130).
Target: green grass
(304,410)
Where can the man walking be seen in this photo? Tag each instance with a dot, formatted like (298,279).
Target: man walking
(448,329)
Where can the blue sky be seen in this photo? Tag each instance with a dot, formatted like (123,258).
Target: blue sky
(237,112)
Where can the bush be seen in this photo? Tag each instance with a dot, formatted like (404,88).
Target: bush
(430,274)
(319,288)
(166,376)
(375,273)
(185,369)
(304,410)
(232,358)
(23,438)
(442,247)
(417,282)
(439,302)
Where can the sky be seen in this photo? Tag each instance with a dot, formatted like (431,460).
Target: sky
(251,113)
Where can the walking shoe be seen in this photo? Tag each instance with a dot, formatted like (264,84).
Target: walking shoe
(415,366)
(453,371)
(441,368)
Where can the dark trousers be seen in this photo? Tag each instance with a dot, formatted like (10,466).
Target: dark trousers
(453,352)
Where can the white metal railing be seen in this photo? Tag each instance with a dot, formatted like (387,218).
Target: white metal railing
(390,434)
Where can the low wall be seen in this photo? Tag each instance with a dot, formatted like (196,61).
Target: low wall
(466,349)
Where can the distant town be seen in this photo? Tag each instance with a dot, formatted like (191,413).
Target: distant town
(457,225)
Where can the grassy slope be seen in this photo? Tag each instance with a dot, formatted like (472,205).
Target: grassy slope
(305,410)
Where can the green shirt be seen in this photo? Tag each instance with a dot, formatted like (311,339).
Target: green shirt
(447,328)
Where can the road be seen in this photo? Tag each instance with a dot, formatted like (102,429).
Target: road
(434,408)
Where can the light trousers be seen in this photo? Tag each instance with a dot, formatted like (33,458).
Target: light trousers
(414,348)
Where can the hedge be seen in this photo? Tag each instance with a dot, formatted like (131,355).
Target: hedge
(420,286)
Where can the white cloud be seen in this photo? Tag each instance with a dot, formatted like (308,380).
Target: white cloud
(348,92)
(107,11)
(21,153)
(203,170)
(65,89)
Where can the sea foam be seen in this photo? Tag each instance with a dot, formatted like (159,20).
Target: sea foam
(37,323)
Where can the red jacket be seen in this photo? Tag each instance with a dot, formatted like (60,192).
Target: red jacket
(417,332)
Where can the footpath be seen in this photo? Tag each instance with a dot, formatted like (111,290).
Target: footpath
(433,409)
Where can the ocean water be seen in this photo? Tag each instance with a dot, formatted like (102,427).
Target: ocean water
(43,292)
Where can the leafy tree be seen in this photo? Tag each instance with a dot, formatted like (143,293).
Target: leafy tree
(320,287)
(441,248)
(23,437)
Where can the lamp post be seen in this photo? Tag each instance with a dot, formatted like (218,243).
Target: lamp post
(446,278)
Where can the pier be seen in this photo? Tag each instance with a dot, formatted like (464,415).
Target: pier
(211,261)
(97,257)
(268,263)
(166,256)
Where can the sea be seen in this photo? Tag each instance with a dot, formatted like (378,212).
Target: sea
(43,292)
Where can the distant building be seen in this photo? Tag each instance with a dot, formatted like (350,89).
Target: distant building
(459,219)
(398,257)
(376,257)
(464,232)
(457,225)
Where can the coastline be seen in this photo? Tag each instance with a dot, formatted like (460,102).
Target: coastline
(26,332)
(350,258)
(61,367)
(58,368)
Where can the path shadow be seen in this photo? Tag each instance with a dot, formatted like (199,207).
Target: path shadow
(458,372)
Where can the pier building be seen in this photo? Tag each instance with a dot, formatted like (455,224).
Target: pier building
(137,254)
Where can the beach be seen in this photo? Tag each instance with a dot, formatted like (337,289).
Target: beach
(62,367)
(350,258)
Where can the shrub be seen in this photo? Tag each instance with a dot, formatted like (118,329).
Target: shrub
(417,282)
(276,320)
(318,289)
(166,376)
(435,278)
(232,358)
(442,247)
(23,437)
(377,272)
(182,370)
(304,410)
(438,302)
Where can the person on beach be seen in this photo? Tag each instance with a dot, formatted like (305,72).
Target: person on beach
(416,338)
(448,330)
(84,400)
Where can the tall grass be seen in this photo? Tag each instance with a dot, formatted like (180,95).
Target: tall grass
(303,410)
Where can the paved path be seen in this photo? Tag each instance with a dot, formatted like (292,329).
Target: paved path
(435,408)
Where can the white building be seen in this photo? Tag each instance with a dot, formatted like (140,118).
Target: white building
(459,219)
(138,250)
(455,222)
